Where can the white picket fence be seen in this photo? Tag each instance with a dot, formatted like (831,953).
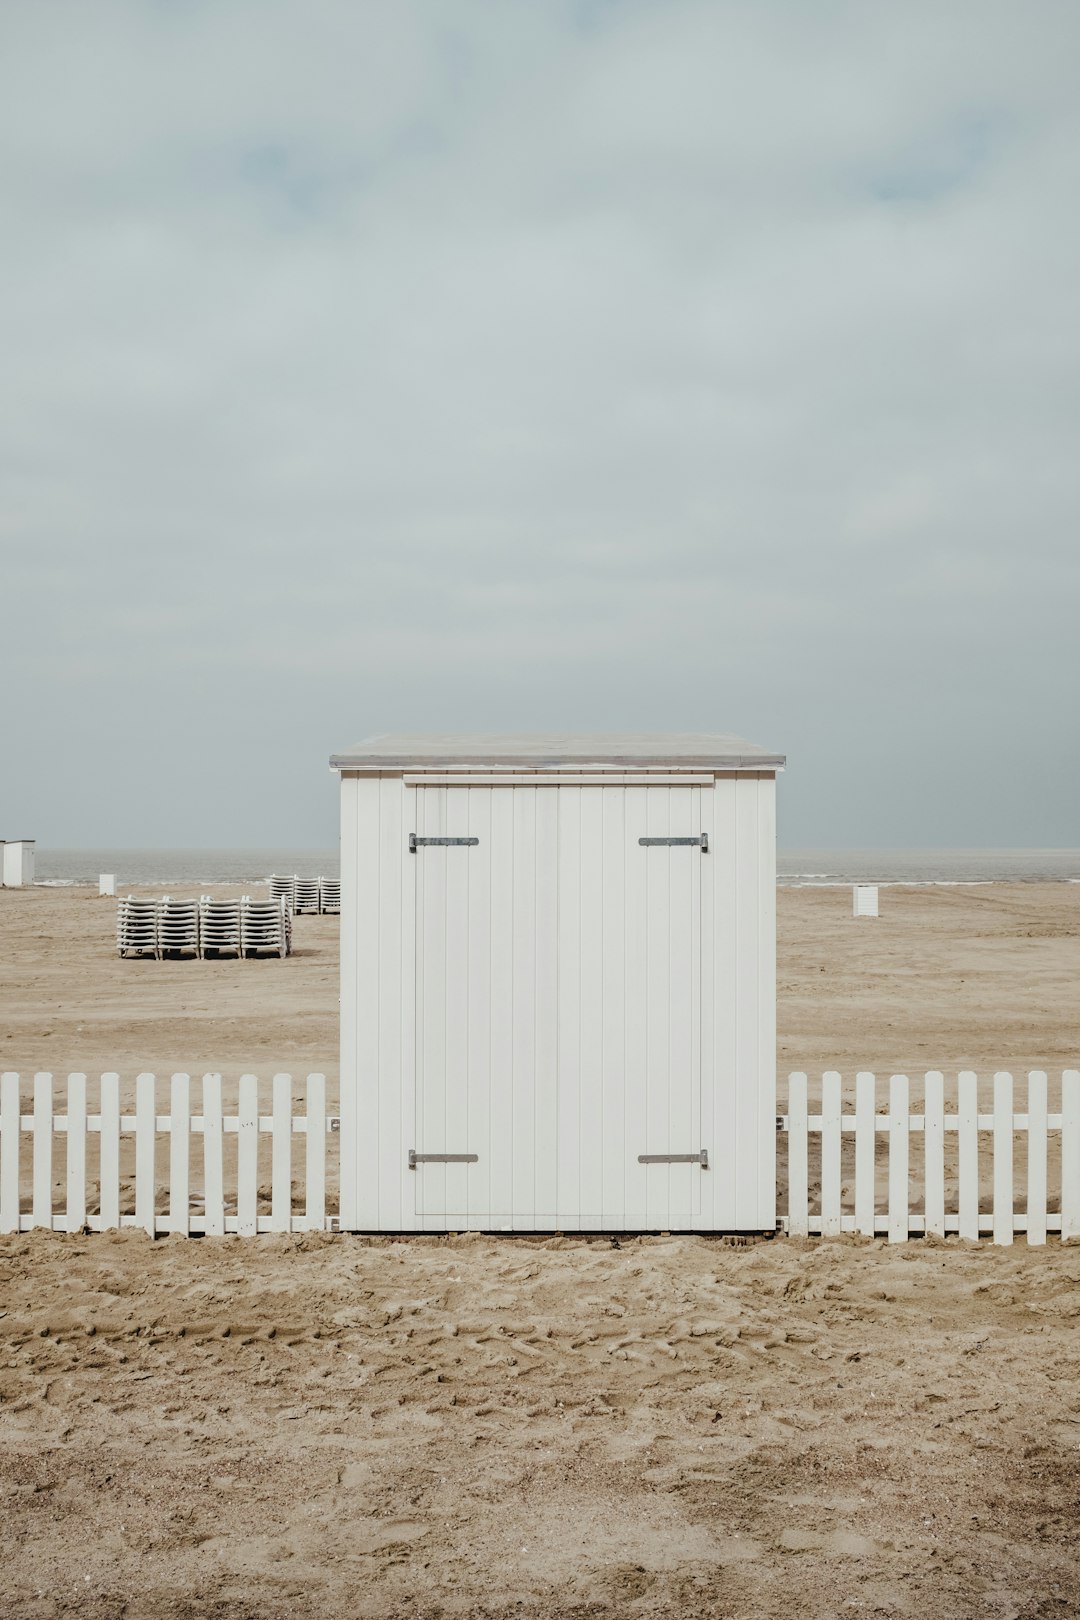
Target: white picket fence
(882,1188)
(840,1168)
(210,1186)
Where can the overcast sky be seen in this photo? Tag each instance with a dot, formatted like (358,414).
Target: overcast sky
(687,366)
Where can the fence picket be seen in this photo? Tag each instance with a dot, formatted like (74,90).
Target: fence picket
(934,1152)
(865,1153)
(1036,1158)
(315,1153)
(247,1157)
(213,1157)
(798,1143)
(76,1152)
(10,1106)
(180,1155)
(1003,1158)
(1070,1154)
(281,1173)
(145,1145)
(109,1152)
(830,1154)
(899,1213)
(967,1123)
(41,1210)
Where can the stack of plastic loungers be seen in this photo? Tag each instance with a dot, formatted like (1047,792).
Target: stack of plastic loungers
(307,896)
(137,927)
(219,927)
(178,927)
(264,926)
(329,895)
(284,888)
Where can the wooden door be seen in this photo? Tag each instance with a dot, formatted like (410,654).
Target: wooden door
(486,1013)
(664,981)
(558,1006)
(630,978)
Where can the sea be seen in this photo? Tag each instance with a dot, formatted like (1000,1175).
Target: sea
(808,868)
(149,868)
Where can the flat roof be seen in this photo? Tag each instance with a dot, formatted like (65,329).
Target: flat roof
(544,750)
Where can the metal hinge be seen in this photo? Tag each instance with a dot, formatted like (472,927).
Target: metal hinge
(335,1122)
(441,1158)
(701,1158)
(701,841)
(415,843)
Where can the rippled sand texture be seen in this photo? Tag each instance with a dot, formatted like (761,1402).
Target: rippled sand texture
(678,1426)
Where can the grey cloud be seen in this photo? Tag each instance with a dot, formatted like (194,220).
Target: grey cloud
(406,365)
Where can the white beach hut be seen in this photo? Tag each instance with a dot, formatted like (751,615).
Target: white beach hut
(558,983)
(18,862)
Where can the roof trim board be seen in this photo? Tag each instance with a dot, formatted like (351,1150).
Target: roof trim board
(556,752)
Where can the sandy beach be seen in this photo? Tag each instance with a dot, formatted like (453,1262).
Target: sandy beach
(338,1427)
(980,977)
(467,1426)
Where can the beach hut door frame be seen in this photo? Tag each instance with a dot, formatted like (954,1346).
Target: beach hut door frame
(558,995)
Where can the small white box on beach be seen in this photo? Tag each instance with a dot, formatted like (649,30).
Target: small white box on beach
(865,899)
(558,984)
(107,883)
(18,863)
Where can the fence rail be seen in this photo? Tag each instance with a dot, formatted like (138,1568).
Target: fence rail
(945,1190)
(210,1187)
(842,1165)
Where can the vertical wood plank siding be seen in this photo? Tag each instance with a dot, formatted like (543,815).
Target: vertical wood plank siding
(528,993)
(361,1171)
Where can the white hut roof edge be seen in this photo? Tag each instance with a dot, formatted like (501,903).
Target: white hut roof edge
(556,751)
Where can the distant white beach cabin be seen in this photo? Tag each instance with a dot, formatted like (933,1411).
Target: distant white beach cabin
(18,859)
(558,983)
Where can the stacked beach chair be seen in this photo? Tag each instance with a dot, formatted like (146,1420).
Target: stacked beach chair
(308,895)
(205,927)
(178,927)
(265,925)
(219,927)
(284,888)
(137,927)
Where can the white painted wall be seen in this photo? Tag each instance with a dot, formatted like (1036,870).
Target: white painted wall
(558,999)
(18,863)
